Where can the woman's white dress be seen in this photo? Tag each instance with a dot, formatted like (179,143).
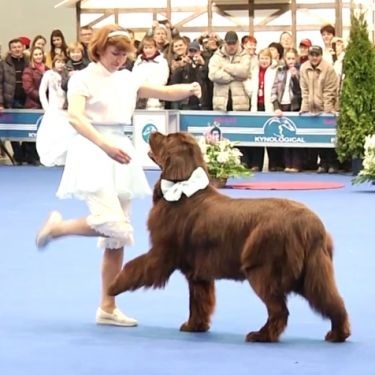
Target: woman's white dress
(110,104)
(54,132)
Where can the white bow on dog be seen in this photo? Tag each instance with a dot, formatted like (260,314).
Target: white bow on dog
(172,191)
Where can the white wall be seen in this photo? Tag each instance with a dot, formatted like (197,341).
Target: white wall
(32,17)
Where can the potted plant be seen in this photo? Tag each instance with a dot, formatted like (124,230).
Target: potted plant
(223,159)
(357,101)
(368,171)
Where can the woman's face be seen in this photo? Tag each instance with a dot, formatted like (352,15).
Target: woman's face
(327,38)
(75,55)
(275,53)
(250,48)
(149,50)
(112,58)
(59,65)
(264,61)
(57,41)
(290,59)
(160,36)
(41,43)
(38,56)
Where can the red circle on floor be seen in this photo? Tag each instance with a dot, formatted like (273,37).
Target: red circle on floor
(286,185)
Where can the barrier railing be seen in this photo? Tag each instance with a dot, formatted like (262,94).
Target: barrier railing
(247,128)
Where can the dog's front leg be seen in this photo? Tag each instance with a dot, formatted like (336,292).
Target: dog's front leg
(201,305)
(147,270)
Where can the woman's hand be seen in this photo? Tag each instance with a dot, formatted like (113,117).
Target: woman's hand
(116,153)
(279,113)
(196,90)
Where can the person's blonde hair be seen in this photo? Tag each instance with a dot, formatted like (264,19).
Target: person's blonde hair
(103,38)
(74,47)
(58,57)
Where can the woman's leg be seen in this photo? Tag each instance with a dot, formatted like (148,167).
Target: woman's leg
(56,227)
(111,266)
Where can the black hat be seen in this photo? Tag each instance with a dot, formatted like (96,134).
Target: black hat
(194,45)
(315,50)
(231,37)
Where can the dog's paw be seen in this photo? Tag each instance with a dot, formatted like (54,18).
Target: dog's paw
(188,327)
(259,336)
(337,336)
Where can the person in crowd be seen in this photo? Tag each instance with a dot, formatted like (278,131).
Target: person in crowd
(304,46)
(12,93)
(177,54)
(102,166)
(76,60)
(85,34)
(31,79)
(195,70)
(25,41)
(251,48)
(338,47)
(286,97)
(277,51)
(162,38)
(50,134)
(58,46)
(319,86)
(260,91)
(328,32)
(151,67)
(228,68)
(286,40)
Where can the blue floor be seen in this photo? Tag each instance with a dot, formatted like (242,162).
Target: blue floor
(49,299)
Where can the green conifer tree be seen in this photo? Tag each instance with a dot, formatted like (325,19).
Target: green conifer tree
(357,101)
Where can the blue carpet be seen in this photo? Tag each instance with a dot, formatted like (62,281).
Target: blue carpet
(49,299)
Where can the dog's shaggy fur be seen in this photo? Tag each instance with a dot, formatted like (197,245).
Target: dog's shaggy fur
(278,245)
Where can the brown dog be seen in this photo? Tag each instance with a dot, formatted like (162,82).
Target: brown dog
(278,245)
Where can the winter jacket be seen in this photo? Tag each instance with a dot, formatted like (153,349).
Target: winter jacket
(228,73)
(8,81)
(319,87)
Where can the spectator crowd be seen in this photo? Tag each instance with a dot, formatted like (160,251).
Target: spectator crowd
(233,73)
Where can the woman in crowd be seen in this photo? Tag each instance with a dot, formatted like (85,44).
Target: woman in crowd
(31,78)
(50,141)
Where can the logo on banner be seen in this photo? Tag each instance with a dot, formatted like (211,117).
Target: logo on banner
(147,130)
(280,129)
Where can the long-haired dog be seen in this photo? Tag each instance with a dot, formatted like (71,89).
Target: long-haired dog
(278,245)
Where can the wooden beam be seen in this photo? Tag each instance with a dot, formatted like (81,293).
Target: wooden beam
(338,25)
(188,19)
(293,9)
(274,15)
(251,16)
(101,18)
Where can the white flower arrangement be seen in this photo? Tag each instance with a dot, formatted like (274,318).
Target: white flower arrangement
(368,171)
(223,159)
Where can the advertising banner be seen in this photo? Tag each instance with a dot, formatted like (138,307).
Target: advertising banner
(262,129)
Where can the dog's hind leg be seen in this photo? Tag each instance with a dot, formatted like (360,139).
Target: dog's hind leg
(201,305)
(277,311)
(144,271)
(321,292)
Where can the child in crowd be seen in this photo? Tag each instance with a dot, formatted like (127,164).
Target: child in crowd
(151,67)
(54,130)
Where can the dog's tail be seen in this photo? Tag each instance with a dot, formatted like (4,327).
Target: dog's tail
(144,271)
(321,291)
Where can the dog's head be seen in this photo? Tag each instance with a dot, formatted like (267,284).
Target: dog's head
(177,154)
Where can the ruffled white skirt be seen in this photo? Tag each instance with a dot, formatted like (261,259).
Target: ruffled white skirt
(53,137)
(88,169)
